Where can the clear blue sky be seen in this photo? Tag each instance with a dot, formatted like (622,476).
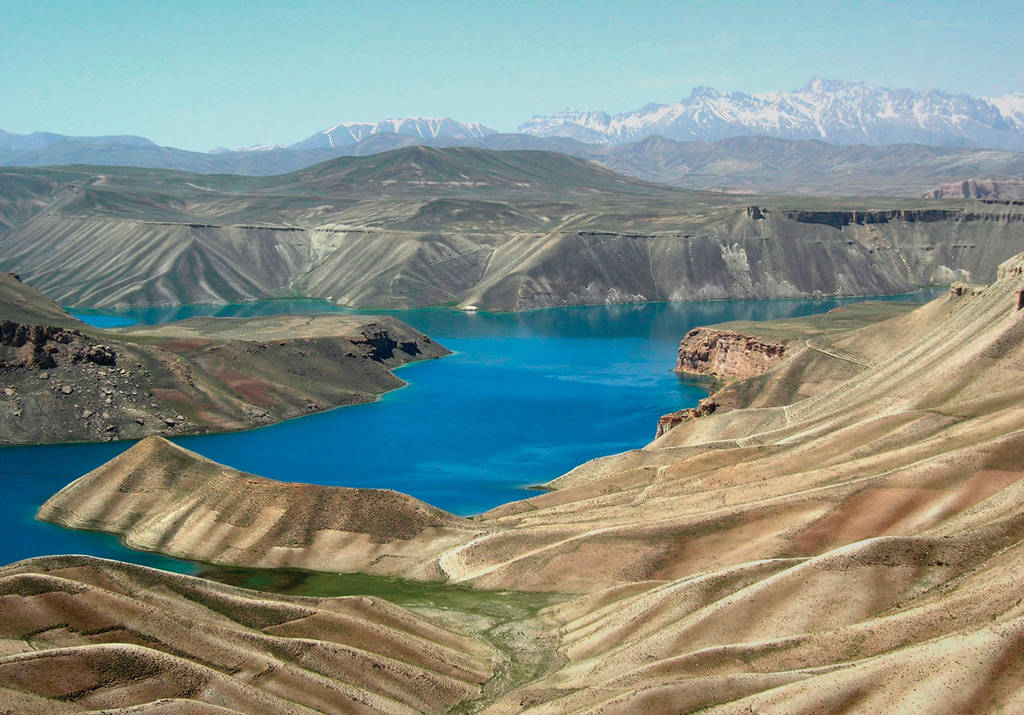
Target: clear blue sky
(202,74)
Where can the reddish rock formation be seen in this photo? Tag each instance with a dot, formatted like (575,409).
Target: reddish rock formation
(666,422)
(979,189)
(724,354)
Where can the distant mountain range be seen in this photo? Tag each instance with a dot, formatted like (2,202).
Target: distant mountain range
(819,140)
(830,110)
(759,165)
(40,140)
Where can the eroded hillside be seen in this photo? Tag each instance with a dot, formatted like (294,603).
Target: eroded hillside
(79,634)
(857,543)
(509,230)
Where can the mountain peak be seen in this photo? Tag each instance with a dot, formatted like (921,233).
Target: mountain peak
(822,85)
(831,110)
(703,90)
(347,133)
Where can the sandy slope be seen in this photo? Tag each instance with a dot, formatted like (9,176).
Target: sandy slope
(161,497)
(81,634)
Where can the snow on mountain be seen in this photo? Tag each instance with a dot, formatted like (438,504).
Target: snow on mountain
(831,110)
(423,127)
(1011,106)
(254,147)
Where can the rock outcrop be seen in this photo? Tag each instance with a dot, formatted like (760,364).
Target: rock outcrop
(999,189)
(726,355)
(705,407)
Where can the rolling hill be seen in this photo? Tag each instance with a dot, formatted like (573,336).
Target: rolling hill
(79,634)
(757,164)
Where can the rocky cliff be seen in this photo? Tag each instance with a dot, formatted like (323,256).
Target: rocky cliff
(997,189)
(723,354)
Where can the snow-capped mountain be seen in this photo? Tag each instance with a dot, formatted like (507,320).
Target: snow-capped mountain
(834,111)
(423,127)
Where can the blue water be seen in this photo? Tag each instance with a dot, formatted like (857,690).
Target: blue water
(525,397)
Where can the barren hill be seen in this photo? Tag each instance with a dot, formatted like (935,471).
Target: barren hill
(756,164)
(858,544)
(508,230)
(62,380)
(169,499)
(79,634)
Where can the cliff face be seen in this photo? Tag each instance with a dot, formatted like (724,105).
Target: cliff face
(516,259)
(724,354)
(999,189)
(741,253)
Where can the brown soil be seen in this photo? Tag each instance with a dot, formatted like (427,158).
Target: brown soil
(80,634)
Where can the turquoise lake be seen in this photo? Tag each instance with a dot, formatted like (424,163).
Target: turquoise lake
(525,397)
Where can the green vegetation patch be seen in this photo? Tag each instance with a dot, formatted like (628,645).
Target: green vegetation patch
(500,605)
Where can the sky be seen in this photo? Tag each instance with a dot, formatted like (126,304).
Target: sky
(199,75)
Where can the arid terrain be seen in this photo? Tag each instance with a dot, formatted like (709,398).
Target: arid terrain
(62,380)
(500,230)
(846,533)
(79,634)
(583,358)
(754,164)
